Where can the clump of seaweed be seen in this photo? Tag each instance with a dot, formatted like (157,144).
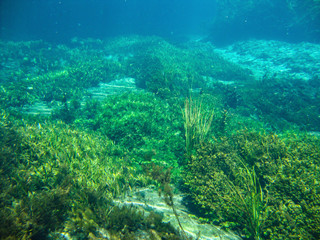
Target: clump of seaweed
(259,184)
(41,183)
(60,180)
(125,221)
(150,129)
(197,123)
(279,102)
(29,208)
(170,71)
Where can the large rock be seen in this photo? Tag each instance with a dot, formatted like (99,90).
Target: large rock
(148,200)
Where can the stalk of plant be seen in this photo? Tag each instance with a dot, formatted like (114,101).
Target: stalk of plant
(251,204)
(197,123)
(163,177)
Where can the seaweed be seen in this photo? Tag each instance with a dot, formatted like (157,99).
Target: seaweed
(163,177)
(262,185)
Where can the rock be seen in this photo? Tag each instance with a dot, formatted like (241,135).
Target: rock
(115,87)
(148,200)
(99,93)
(289,61)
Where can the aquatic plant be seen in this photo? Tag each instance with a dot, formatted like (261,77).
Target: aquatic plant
(252,203)
(52,72)
(197,123)
(55,174)
(171,71)
(149,128)
(283,101)
(295,188)
(251,182)
(63,180)
(163,178)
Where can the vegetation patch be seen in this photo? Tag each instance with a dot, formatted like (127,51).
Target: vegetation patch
(201,122)
(264,185)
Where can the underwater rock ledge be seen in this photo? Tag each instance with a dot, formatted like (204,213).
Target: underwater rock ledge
(148,200)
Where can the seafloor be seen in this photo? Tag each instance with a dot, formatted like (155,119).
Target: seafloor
(138,138)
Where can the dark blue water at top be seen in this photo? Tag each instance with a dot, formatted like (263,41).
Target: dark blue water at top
(222,21)
(60,20)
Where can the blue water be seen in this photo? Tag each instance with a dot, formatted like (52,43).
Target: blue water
(222,22)
(60,20)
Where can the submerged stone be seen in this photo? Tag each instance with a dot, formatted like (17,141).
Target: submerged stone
(148,200)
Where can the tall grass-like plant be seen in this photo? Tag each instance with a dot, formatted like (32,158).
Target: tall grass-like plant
(197,123)
(251,203)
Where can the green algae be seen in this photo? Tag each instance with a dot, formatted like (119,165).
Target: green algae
(61,173)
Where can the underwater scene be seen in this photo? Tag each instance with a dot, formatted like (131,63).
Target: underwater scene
(160,120)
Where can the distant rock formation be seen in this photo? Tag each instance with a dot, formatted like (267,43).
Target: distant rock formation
(292,20)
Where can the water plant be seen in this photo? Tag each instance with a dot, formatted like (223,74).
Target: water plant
(280,102)
(252,202)
(55,173)
(163,178)
(150,129)
(62,176)
(197,123)
(250,182)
